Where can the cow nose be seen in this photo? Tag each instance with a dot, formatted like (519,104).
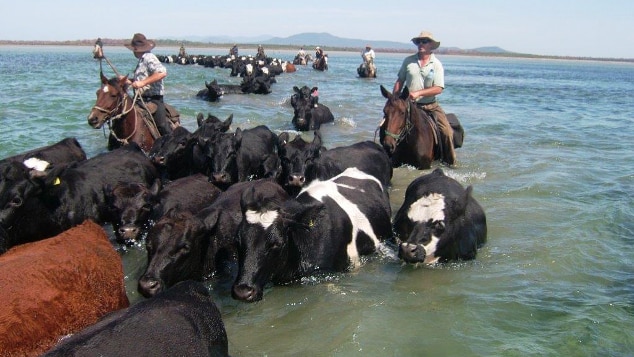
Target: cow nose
(149,286)
(411,253)
(245,293)
(128,233)
(220,177)
(158,159)
(296,180)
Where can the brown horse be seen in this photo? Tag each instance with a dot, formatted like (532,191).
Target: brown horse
(127,122)
(407,133)
(321,64)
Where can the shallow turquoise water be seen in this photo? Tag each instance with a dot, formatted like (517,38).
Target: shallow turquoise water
(548,148)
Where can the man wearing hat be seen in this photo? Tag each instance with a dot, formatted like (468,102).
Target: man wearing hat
(424,76)
(148,77)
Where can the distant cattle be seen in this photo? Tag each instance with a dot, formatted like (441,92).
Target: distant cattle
(43,205)
(56,287)
(182,321)
(326,228)
(186,245)
(308,113)
(243,155)
(303,161)
(133,206)
(439,221)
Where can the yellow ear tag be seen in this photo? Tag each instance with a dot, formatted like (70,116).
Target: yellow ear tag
(311,224)
(57,181)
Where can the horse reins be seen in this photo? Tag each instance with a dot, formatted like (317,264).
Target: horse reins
(407,128)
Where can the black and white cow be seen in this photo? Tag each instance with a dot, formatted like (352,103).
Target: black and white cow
(439,221)
(303,161)
(182,321)
(326,228)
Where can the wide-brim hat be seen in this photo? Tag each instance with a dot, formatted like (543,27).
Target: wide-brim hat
(429,35)
(140,44)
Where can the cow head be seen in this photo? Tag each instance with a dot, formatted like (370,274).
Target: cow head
(224,158)
(263,244)
(433,220)
(169,152)
(176,247)
(214,91)
(129,207)
(19,184)
(297,158)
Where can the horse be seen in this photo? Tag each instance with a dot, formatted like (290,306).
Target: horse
(321,64)
(367,69)
(127,121)
(407,133)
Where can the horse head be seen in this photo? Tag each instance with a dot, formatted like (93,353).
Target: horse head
(110,100)
(396,122)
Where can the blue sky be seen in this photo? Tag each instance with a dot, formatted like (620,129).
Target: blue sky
(602,28)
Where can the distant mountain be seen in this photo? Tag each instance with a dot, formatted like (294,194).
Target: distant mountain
(324,39)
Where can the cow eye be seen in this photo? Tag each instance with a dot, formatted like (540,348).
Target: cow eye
(439,227)
(147,207)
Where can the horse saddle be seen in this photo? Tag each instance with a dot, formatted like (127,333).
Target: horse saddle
(172,114)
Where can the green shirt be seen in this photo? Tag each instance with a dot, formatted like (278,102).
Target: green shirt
(415,77)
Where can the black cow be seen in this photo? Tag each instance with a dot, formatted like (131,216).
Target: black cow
(171,153)
(303,162)
(439,221)
(182,321)
(134,206)
(41,206)
(181,153)
(308,114)
(326,228)
(243,155)
(186,245)
(65,151)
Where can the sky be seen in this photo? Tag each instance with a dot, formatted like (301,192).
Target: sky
(601,28)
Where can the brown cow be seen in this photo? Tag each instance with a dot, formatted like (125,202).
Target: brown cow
(57,286)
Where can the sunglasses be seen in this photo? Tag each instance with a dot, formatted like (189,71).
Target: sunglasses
(423,41)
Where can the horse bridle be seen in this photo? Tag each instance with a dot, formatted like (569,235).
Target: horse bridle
(121,103)
(407,128)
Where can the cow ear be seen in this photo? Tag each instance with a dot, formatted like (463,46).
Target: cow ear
(199,119)
(317,138)
(283,138)
(156,187)
(227,123)
(211,219)
(238,135)
(462,201)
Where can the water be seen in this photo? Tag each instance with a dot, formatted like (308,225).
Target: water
(549,150)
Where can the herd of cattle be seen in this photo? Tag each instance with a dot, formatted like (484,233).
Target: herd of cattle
(248,205)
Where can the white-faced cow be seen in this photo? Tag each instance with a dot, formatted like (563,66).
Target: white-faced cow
(39,206)
(181,321)
(439,221)
(326,228)
(186,245)
(303,161)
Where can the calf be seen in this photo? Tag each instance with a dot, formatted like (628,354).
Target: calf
(56,287)
(243,155)
(303,162)
(171,154)
(134,206)
(439,221)
(182,321)
(186,245)
(326,228)
(40,206)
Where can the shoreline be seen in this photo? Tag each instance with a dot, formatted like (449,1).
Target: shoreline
(190,44)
